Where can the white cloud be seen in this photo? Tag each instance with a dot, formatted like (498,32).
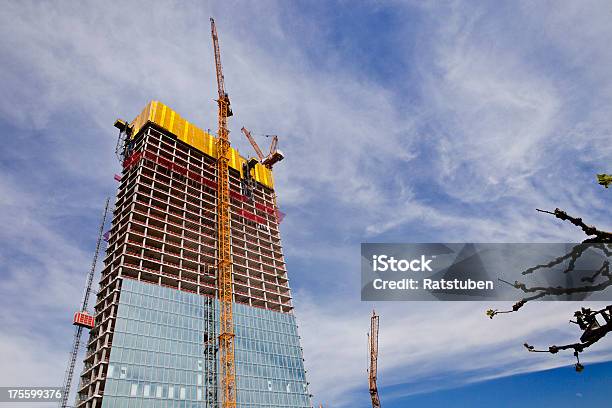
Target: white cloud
(504,130)
(424,340)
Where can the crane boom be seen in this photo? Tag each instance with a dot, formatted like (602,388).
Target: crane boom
(273,145)
(273,157)
(253,143)
(373,352)
(224,266)
(217,50)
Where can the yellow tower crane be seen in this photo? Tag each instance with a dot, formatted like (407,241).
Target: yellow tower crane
(224,268)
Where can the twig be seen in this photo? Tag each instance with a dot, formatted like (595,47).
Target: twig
(589,230)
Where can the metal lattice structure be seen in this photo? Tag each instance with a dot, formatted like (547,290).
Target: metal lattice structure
(224,267)
(253,143)
(210,355)
(373,354)
(273,157)
(79,328)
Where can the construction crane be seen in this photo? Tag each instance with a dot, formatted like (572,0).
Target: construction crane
(82,319)
(373,354)
(224,265)
(273,157)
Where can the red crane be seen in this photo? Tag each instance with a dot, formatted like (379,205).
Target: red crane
(273,157)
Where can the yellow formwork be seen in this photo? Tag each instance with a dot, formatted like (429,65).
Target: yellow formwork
(171,121)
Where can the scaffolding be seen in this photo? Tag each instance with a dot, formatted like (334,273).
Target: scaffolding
(164,232)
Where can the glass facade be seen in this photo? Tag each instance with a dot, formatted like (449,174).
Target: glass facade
(157,357)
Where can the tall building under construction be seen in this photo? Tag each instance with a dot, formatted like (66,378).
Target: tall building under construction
(155,338)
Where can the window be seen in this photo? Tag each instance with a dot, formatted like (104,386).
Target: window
(134,390)
(171,392)
(146,390)
(182,393)
(123,372)
(111,369)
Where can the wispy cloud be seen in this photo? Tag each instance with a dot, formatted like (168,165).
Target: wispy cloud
(484,115)
(427,347)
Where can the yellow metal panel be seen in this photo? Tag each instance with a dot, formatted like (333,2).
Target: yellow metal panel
(163,117)
(170,120)
(179,126)
(234,160)
(141,119)
(198,140)
(153,111)
(172,115)
(186,129)
(256,172)
(211,145)
(157,114)
(192,135)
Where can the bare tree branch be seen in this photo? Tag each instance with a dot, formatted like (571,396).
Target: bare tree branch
(594,324)
(573,255)
(542,291)
(589,230)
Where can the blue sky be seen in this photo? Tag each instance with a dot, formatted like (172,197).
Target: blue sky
(400,122)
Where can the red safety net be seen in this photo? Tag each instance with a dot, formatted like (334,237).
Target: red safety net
(280,215)
(265,208)
(162,161)
(250,216)
(132,160)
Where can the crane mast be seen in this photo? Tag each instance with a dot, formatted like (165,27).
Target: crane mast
(224,267)
(373,352)
(78,332)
